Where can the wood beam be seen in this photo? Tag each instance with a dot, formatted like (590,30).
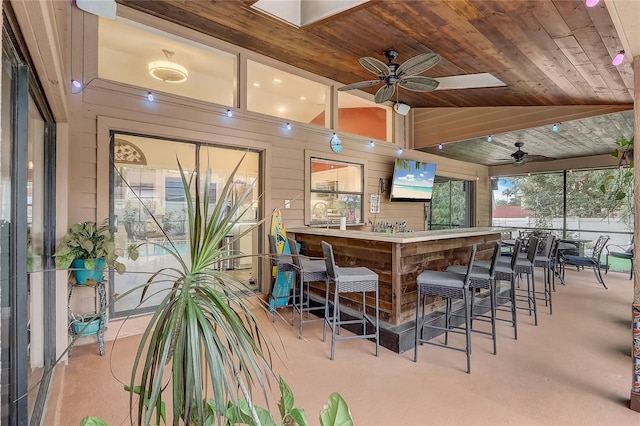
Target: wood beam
(441,125)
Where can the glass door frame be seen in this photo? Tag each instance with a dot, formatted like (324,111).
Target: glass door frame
(469,190)
(25,84)
(113,313)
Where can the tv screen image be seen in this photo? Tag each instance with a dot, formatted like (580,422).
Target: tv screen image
(412,180)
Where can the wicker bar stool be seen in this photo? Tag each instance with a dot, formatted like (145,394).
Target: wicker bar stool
(307,271)
(545,261)
(482,278)
(506,272)
(449,286)
(350,280)
(526,266)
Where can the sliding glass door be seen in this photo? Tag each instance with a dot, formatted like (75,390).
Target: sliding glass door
(147,192)
(451,204)
(27,235)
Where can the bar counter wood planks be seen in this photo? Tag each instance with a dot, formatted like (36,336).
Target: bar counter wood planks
(397,259)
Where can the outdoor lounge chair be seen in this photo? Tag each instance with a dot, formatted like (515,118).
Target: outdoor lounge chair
(622,253)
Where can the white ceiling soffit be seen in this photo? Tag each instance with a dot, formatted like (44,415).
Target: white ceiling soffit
(304,12)
(625,15)
(468,81)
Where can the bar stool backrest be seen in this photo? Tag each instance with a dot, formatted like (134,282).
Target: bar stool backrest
(534,242)
(514,253)
(548,245)
(295,255)
(327,251)
(494,259)
(472,258)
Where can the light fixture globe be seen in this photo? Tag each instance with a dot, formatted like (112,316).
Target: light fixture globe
(618,59)
(168,71)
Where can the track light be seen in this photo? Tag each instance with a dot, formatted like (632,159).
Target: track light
(288,126)
(150,97)
(592,3)
(489,138)
(618,58)
(554,127)
(439,146)
(229,113)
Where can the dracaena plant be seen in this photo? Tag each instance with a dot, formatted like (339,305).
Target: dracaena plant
(203,338)
(88,241)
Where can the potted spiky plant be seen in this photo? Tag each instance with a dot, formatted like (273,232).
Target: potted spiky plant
(202,334)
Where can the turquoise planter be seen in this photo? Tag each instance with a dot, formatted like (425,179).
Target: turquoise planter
(82,275)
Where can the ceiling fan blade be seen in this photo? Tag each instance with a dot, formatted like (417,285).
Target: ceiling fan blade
(418,64)
(376,66)
(534,157)
(385,93)
(418,83)
(359,85)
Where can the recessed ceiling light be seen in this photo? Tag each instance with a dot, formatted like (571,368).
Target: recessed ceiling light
(281,109)
(303,98)
(256,84)
(277,80)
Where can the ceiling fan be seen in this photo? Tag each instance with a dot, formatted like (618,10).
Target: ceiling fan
(392,74)
(520,157)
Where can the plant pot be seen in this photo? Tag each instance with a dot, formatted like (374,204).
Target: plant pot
(91,328)
(82,274)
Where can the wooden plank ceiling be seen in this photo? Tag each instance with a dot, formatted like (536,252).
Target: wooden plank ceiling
(548,53)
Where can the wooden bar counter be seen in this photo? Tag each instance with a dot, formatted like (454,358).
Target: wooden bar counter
(397,259)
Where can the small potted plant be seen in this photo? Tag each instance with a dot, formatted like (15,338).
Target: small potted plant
(88,249)
(84,324)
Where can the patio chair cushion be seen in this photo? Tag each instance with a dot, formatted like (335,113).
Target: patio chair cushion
(352,274)
(312,266)
(444,279)
(580,260)
(622,255)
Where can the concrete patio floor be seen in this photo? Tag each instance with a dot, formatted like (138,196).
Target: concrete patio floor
(574,368)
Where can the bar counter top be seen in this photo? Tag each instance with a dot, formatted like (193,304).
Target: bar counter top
(402,237)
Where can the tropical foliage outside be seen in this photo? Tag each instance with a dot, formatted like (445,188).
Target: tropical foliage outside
(543,195)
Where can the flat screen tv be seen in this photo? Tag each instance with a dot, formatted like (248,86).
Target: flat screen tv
(412,180)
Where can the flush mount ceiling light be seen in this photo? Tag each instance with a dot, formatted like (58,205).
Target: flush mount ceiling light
(168,71)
